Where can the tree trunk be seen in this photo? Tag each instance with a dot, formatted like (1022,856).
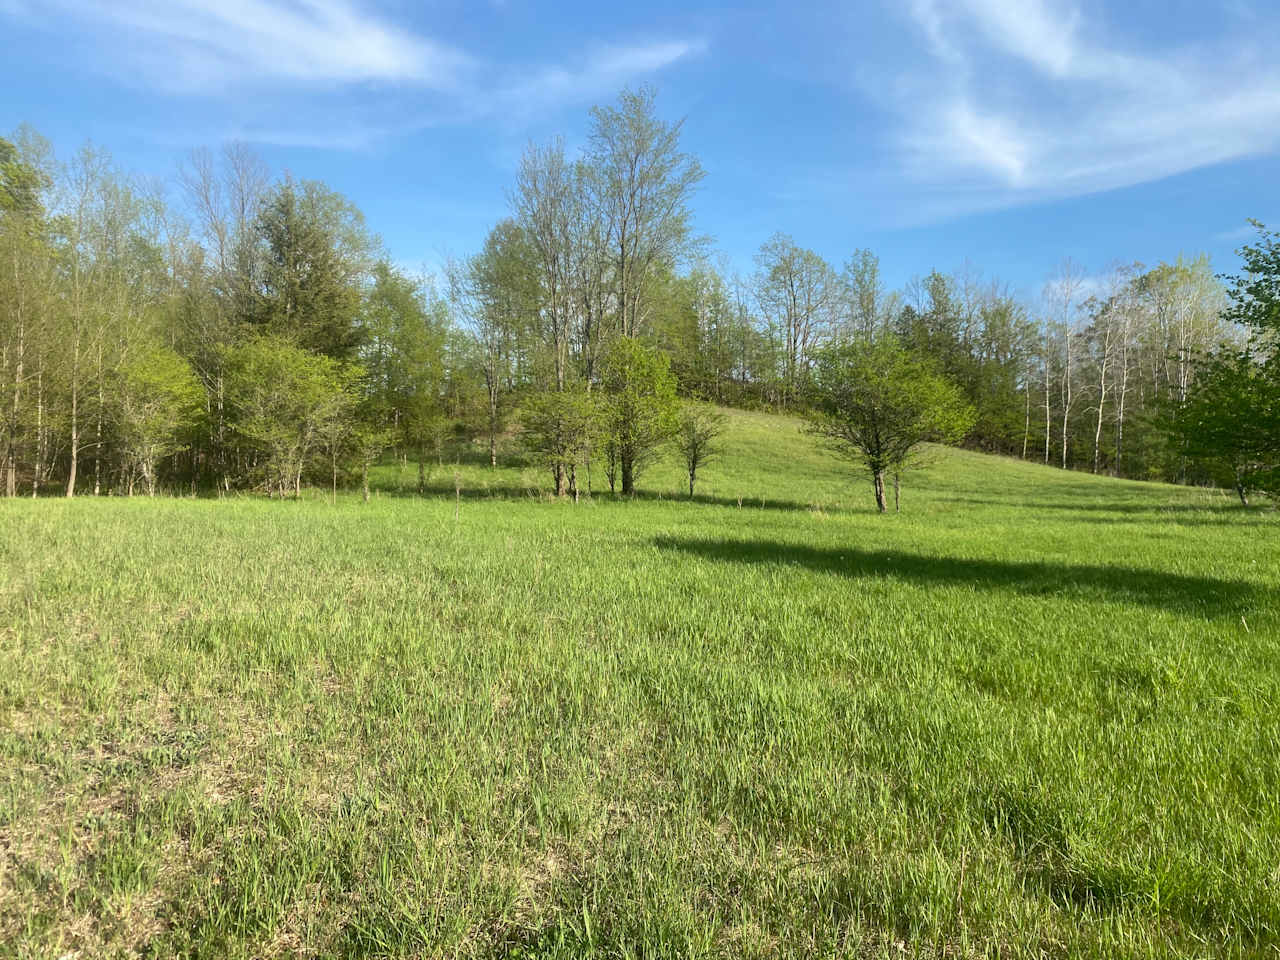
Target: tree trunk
(1124,385)
(75,443)
(1066,399)
(1097,434)
(878,483)
(97,445)
(221,442)
(422,475)
(1102,401)
(1026,427)
(1244,497)
(690,484)
(558,474)
(364,480)
(493,430)
(35,477)
(1048,412)
(897,492)
(628,476)
(11,440)
(11,460)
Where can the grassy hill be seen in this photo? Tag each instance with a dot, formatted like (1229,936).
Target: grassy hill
(1033,714)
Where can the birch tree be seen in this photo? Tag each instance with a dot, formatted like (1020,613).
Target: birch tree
(799,291)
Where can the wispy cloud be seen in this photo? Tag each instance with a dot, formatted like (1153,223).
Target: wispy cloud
(1237,235)
(602,70)
(507,96)
(1022,100)
(213,45)
(256,58)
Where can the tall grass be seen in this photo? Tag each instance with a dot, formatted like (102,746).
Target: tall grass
(1033,715)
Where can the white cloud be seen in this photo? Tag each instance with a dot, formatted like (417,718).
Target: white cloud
(602,71)
(215,46)
(1031,99)
(509,96)
(212,45)
(294,73)
(1031,30)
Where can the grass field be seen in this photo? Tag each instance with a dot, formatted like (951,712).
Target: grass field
(1033,715)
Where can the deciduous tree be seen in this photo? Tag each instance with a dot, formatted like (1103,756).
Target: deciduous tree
(876,405)
(699,435)
(642,406)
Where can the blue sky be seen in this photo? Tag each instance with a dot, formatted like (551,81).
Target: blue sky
(1007,133)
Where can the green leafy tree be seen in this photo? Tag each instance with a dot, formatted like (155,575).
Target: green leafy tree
(25,273)
(369,441)
(407,333)
(1230,423)
(800,293)
(642,408)
(159,401)
(497,292)
(877,404)
(1229,419)
(699,436)
(339,421)
(1255,293)
(282,398)
(565,427)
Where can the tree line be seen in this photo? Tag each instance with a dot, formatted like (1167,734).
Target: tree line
(232,330)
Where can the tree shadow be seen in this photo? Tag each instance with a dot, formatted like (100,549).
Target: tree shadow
(1241,518)
(439,483)
(442,487)
(750,502)
(1200,596)
(1164,510)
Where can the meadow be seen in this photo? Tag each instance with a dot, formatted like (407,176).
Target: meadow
(1034,714)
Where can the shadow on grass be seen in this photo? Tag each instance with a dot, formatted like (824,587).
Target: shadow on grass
(1184,594)
(443,488)
(1165,511)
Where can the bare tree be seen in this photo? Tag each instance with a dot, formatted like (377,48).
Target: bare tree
(225,196)
(496,291)
(1062,294)
(865,293)
(644,183)
(800,292)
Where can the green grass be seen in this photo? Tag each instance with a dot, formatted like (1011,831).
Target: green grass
(1033,715)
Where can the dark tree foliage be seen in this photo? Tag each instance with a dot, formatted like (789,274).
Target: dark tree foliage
(1229,422)
(314,255)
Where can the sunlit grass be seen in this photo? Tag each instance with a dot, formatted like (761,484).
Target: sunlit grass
(1033,714)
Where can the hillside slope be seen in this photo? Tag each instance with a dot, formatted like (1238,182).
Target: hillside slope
(1033,713)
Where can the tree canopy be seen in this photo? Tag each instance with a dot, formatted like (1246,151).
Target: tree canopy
(877,404)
